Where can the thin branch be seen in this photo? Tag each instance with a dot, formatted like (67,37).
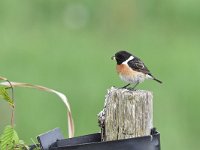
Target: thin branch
(61,95)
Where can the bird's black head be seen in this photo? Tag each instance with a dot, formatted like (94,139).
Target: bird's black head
(121,56)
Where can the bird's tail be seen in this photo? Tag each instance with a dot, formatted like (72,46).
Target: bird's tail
(157,80)
(152,77)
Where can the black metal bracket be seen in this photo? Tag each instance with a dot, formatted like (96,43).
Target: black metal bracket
(53,140)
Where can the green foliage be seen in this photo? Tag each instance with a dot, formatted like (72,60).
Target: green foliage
(9,140)
(37,148)
(4,94)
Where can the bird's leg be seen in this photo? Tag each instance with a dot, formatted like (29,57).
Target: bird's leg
(126,86)
(134,86)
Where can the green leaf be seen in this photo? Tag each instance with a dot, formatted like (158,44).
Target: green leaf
(21,146)
(4,94)
(9,138)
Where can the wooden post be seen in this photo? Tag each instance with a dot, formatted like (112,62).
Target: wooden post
(126,114)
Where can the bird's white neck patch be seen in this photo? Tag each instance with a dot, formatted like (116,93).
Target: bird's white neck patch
(130,58)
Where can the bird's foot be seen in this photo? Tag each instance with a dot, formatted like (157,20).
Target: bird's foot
(124,87)
(131,89)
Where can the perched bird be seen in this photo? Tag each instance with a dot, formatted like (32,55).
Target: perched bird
(131,69)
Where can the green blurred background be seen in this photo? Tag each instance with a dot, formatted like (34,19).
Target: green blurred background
(67,45)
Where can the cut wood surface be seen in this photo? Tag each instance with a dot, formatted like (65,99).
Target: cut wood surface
(126,114)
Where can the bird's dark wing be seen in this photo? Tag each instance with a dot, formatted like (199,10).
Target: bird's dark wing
(137,65)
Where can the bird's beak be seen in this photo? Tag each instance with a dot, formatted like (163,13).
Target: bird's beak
(113,58)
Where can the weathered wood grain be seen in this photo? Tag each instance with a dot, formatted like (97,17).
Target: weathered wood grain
(126,114)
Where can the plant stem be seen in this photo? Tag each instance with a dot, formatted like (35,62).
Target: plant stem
(12,117)
(12,109)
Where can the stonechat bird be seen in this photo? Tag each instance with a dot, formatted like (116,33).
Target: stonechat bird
(131,69)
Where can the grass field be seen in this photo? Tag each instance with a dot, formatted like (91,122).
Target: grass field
(67,45)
